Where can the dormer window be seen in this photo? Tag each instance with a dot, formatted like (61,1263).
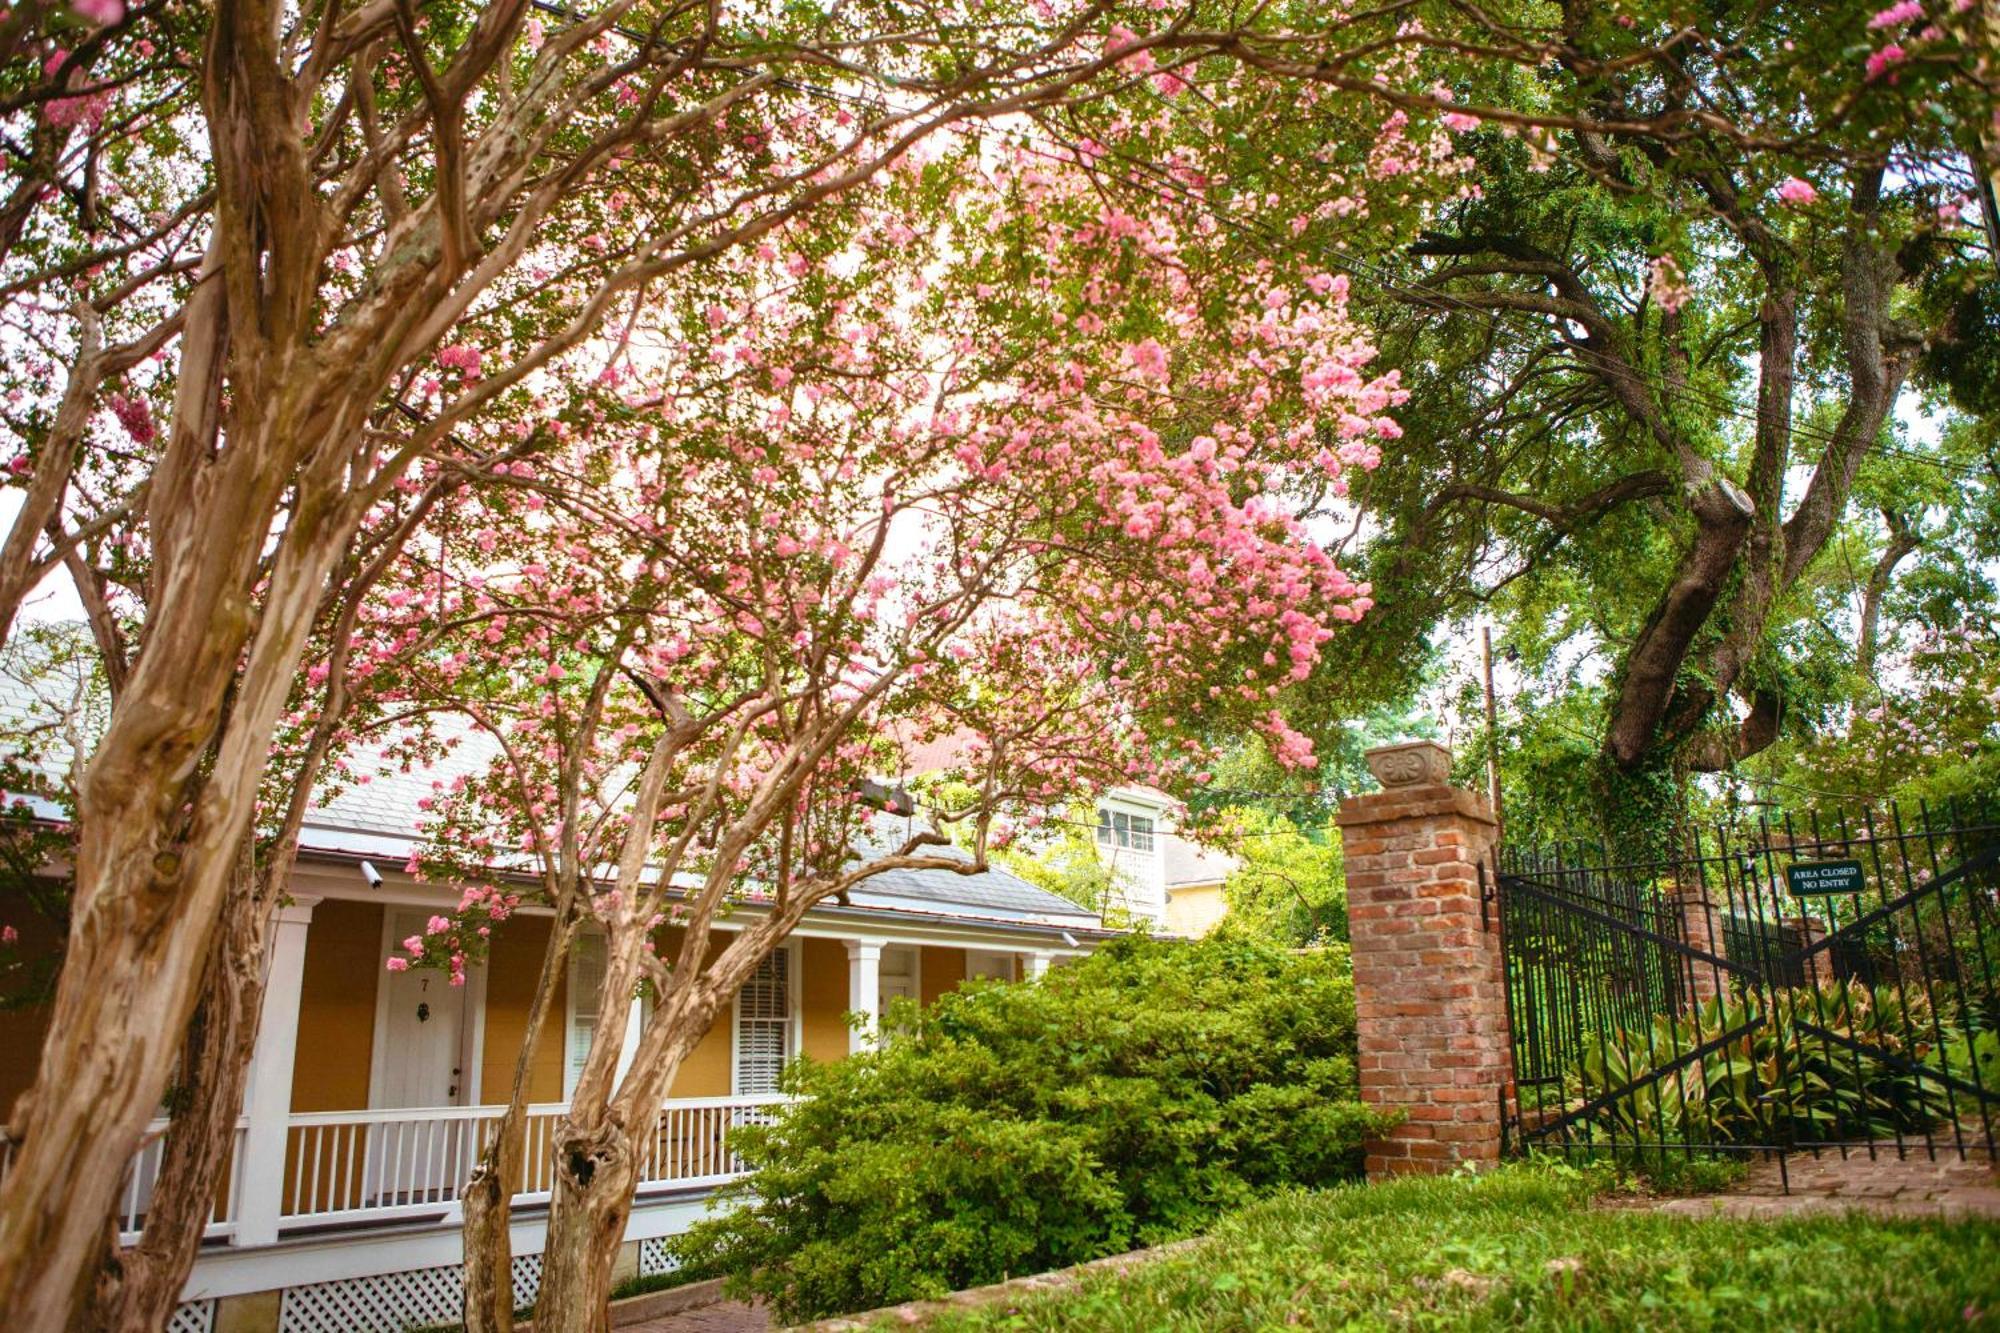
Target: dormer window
(1115,828)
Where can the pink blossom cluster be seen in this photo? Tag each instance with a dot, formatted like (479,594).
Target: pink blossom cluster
(1797,192)
(790,500)
(87,108)
(1666,284)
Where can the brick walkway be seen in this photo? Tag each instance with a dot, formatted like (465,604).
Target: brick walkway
(724,1317)
(1910,1186)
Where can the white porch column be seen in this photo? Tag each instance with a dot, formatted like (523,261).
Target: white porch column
(864,992)
(267,1101)
(1038,964)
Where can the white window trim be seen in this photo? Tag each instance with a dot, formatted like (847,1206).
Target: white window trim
(1107,836)
(569,1066)
(795,1035)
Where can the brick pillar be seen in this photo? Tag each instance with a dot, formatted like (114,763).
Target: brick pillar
(1818,967)
(1701,928)
(1428,993)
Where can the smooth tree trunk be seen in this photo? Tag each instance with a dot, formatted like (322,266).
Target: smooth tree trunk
(488,1201)
(596,1178)
(138,1288)
(597,1154)
(147,908)
(601,1141)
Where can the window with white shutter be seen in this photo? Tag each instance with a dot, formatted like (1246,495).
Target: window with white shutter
(586,989)
(764,1024)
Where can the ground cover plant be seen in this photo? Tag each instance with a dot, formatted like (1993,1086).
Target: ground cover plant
(1524,1247)
(1131,1097)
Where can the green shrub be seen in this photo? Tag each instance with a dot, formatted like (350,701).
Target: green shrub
(1125,1099)
(1779,1083)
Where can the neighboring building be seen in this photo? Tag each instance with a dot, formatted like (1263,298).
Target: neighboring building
(371,1091)
(1170,882)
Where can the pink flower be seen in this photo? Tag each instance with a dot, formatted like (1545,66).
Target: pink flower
(1148,358)
(1896,15)
(1792,190)
(437,925)
(460,356)
(104,13)
(414,945)
(87,110)
(134,416)
(398,964)
(1665,284)
(1880,61)
(9,935)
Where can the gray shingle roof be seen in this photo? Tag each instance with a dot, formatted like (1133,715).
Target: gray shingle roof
(374,811)
(993,892)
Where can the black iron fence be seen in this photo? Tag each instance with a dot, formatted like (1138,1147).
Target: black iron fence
(1772,987)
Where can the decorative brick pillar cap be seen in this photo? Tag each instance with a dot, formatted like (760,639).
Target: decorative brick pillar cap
(1410,764)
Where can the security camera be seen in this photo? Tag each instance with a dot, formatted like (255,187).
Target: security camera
(371,874)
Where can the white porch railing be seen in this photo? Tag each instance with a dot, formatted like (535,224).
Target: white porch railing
(380,1165)
(348,1168)
(137,1196)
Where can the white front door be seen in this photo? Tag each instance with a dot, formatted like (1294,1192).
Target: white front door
(424,1040)
(422,1064)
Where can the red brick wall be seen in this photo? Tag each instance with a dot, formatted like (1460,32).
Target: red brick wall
(1701,928)
(1428,993)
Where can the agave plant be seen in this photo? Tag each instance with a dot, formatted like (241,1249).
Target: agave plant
(1840,1061)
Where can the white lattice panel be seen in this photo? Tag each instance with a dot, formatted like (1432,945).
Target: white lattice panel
(527,1279)
(193,1317)
(386,1303)
(654,1257)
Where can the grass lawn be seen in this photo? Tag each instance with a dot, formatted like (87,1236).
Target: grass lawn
(1523,1248)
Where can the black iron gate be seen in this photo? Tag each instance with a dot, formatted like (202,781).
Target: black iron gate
(1771,989)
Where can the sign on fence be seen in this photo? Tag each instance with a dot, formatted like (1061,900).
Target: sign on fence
(1811,878)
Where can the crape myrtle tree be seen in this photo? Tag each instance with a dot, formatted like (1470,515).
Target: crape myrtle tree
(262,260)
(1033,477)
(1657,363)
(67,676)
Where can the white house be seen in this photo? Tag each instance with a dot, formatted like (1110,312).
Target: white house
(1170,881)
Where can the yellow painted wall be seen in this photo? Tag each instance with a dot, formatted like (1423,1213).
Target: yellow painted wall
(514,965)
(337,1011)
(943,970)
(22,1030)
(337,1007)
(823,999)
(705,1071)
(1195,909)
